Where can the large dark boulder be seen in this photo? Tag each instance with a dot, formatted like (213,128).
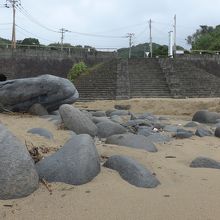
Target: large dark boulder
(206,117)
(132,171)
(204,162)
(76,163)
(77,121)
(18,176)
(217,132)
(47,90)
(106,129)
(133,141)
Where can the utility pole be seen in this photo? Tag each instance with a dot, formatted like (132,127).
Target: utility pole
(170,49)
(63,31)
(151,42)
(12,4)
(174,36)
(130,36)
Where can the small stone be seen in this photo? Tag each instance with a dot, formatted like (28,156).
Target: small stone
(217,132)
(42,132)
(204,162)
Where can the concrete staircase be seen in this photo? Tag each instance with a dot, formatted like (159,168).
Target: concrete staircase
(99,84)
(187,80)
(147,79)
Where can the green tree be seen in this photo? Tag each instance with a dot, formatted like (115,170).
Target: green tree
(76,70)
(205,38)
(30,41)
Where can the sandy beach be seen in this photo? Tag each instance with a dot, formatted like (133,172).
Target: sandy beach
(184,193)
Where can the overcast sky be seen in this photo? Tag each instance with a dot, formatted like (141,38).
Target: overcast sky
(113,18)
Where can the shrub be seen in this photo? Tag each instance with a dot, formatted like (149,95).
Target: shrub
(76,70)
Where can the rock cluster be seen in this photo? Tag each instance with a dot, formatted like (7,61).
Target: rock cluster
(78,161)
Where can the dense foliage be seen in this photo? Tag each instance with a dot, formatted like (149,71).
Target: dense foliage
(30,41)
(205,38)
(139,50)
(76,70)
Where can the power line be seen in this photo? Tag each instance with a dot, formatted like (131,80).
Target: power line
(33,34)
(32,19)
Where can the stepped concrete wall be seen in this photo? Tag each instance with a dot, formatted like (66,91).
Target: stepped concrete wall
(123,80)
(187,80)
(24,63)
(210,63)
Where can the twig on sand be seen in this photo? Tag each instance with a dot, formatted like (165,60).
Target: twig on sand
(45,183)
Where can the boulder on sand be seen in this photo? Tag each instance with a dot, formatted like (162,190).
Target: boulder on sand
(133,141)
(204,162)
(48,90)
(77,121)
(131,171)
(106,129)
(206,117)
(76,163)
(18,175)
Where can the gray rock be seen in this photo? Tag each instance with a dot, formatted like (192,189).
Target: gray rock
(117,119)
(47,90)
(109,111)
(99,114)
(42,132)
(206,117)
(76,163)
(217,132)
(132,171)
(87,113)
(204,162)
(18,176)
(181,134)
(170,128)
(76,121)
(106,129)
(148,116)
(158,138)
(137,123)
(162,118)
(191,124)
(38,109)
(202,132)
(122,107)
(119,112)
(97,120)
(133,141)
(145,131)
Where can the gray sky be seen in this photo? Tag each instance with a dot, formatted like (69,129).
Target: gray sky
(108,17)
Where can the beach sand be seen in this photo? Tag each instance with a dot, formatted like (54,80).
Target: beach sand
(184,193)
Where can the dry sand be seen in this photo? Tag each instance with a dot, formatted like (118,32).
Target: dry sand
(184,193)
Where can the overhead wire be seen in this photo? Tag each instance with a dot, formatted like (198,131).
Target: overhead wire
(32,33)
